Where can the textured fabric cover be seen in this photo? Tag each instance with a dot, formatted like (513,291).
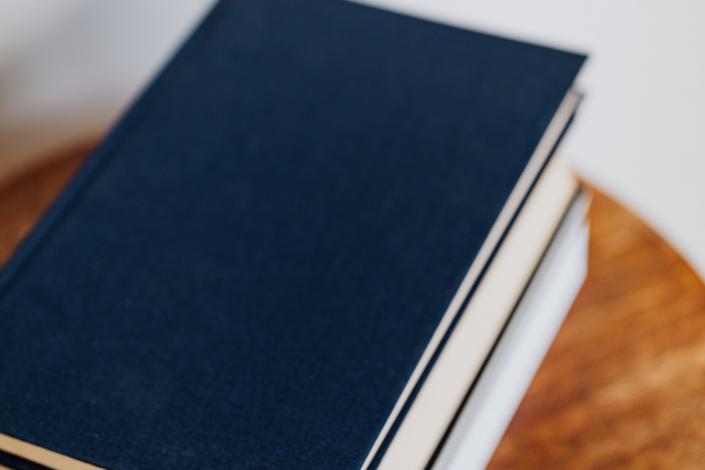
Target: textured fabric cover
(247,270)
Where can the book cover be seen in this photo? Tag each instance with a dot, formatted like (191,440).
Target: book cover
(248,269)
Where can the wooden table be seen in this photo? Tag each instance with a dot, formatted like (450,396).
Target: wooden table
(624,382)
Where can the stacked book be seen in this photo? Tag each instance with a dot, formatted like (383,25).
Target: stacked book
(326,236)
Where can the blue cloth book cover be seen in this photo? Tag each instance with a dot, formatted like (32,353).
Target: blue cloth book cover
(248,269)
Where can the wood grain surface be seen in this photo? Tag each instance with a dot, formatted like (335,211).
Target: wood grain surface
(624,382)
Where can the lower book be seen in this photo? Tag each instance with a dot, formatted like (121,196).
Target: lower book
(499,388)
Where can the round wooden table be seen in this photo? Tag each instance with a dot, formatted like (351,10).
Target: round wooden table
(623,384)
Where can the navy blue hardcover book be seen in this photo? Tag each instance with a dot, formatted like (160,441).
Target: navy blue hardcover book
(248,270)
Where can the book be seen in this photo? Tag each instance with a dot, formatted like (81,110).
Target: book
(295,250)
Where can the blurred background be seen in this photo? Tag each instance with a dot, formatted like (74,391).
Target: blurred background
(68,68)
